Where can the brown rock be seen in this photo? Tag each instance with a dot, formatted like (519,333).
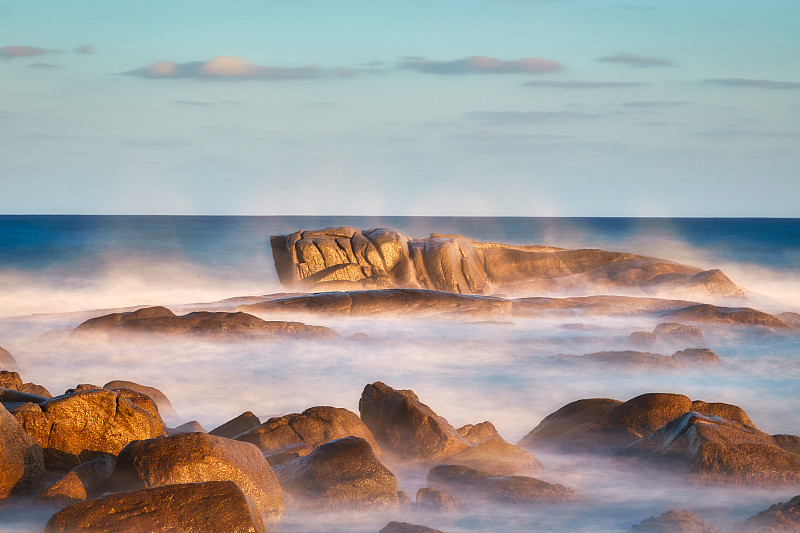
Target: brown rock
(643,338)
(21,461)
(790,443)
(209,507)
(80,483)
(696,356)
(313,427)
(790,319)
(673,332)
(474,484)
(406,427)
(478,433)
(287,453)
(192,426)
(10,380)
(723,410)
(745,316)
(33,388)
(674,522)
(82,387)
(405,527)
(164,406)
(439,501)
(77,427)
(778,517)
(339,475)
(236,426)
(560,428)
(628,359)
(198,457)
(496,457)
(7,361)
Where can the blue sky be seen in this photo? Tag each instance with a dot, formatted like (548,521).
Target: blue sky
(387,107)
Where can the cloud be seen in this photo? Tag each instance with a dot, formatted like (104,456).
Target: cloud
(43,65)
(637,61)
(728,133)
(10,52)
(155,143)
(491,136)
(529,117)
(756,84)
(50,137)
(481,65)
(223,68)
(198,103)
(583,84)
(646,103)
(84,49)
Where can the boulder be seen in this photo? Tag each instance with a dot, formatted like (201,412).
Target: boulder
(696,356)
(162,321)
(405,427)
(192,426)
(312,427)
(199,457)
(744,316)
(10,380)
(21,460)
(77,427)
(7,361)
(343,474)
(439,501)
(717,450)
(790,319)
(236,426)
(287,453)
(33,388)
(80,483)
(405,527)
(560,429)
(643,338)
(473,484)
(478,433)
(674,522)
(209,507)
(778,517)
(675,333)
(164,406)
(497,457)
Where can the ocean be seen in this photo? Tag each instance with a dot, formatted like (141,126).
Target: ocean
(57,271)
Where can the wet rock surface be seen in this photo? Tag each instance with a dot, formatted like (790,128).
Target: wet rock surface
(779,517)
(674,522)
(209,507)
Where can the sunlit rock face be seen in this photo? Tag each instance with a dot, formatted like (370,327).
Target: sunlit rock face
(353,259)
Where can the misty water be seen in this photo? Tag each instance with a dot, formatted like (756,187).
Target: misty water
(56,272)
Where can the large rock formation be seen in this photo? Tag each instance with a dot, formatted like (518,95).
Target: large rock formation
(353,259)
(21,461)
(162,320)
(198,457)
(77,427)
(209,507)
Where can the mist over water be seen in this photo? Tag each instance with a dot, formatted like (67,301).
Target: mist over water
(467,370)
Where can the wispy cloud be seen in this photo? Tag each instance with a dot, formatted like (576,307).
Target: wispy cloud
(733,133)
(583,84)
(481,65)
(84,49)
(155,143)
(491,136)
(529,117)
(199,103)
(655,103)
(756,84)
(11,52)
(224,68)
(43,65)
(637,61)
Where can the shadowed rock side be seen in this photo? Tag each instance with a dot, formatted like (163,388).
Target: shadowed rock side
(209,507)
(236,426)
(674,522)
(405,527)
(352,259)
(778,517)
(162,320)
(80,483)
(21,460)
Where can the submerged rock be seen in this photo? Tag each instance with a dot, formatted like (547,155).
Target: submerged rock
(343,474)
(209,507)
(672,332)
(21,459)
(674,522)
(778,517)
(406,427)
(643,338)
(80,483)
(236,426)
(439,501)
(405,527)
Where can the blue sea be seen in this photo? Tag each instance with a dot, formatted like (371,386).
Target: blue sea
(56,271)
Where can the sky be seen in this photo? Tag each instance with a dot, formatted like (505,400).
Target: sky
(401,107)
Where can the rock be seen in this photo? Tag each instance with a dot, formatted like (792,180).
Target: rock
(602,425)
(80,483)
(672,332)
(778,517)
(33,388)
(745,316)
(236,426)
(312,427)
(404,501)
(21,460)
(199,457)
(10,380)
(405,527)
(790,319)
(77,427)
(163,321)
(189,427)
(164,406)
(343,474)
(790,443)
(439,501)
(496,457)
(643,338)
(209,507)
(674,522)
(629,359)
(7,361)
(478,433)
(406,427)
(474,484)
(82,387)
(717,450)
(287,453)
(345,259)
(696,356)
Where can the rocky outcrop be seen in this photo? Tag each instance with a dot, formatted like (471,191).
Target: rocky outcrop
(352,259)
(208,507)
(439,501)
(473,484)
(630,359)
(77,427)
(236,426)
(343,474)
(743,316)
(643,338)
(7,361)
(193,426)
(478,433)
(164,406)
(312,427)
(198,457)
(790,443)
(497,457)
(672,332)
(163,321)
(790,319)
(717,450)
(674,522)
(406,527)
(405,427)
(778,517)
(80,483)
(21,460)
